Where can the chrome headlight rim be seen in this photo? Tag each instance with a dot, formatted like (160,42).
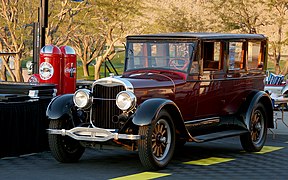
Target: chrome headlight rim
(126,100)
(83,98)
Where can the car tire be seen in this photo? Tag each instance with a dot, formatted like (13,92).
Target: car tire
(63,148)
(156,147)
(255,139)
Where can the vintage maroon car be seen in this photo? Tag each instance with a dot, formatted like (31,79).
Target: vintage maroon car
(176,88)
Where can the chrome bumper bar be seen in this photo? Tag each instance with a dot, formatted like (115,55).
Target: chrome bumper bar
(92,134)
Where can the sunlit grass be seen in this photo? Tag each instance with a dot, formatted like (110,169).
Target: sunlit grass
(118,63)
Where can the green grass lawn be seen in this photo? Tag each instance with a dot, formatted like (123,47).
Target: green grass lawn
(118,63)
(271,67)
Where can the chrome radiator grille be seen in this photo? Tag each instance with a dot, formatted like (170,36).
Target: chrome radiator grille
(104,106)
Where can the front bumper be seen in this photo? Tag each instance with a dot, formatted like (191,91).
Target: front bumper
(92,134)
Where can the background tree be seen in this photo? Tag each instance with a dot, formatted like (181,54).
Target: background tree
(95,28)
(240,16)
(276,28)
(268,17)
(175,16)
(62,24)
(88,47)
(108,22)
(15,17)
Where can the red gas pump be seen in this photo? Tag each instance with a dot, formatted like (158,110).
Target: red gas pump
(50,66)
(68,73)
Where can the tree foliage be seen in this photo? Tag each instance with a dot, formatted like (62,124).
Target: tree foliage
(94,28)
(175,16)
(278,23)
(268,17)
(108,21)
(244,16)
(15,18)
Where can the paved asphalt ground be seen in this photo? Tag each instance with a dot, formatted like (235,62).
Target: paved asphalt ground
(221,159)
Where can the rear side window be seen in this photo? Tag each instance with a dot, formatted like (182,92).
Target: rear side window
(255,60)
(212,56)
(236,56)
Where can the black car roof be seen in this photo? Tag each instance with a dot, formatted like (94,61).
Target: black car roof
(203,36)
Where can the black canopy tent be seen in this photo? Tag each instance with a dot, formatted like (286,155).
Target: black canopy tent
(23,121)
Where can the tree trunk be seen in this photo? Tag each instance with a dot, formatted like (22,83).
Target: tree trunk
(275,58)
(277,65)
(97,67)
(85,68)
(18,69)
(3,76)
(5,63)
(285,68)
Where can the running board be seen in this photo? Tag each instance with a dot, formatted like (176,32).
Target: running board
(219,135)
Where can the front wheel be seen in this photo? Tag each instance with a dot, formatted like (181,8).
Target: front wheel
(255,140)
(156,147)
(64,148)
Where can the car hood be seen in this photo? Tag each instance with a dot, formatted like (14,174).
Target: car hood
(149,80)
(146,80)
(146,85)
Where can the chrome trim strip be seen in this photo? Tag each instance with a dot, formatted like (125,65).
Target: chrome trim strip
(103,99)
(92,134)
(116,79)
(201,120)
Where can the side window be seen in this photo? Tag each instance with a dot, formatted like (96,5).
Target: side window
(236,56)
(255,60)
(137,54)
(212,56)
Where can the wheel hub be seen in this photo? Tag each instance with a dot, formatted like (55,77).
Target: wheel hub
(258,127)
(160,139)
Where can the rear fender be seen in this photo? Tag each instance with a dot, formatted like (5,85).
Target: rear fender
(260,97)
(61,107)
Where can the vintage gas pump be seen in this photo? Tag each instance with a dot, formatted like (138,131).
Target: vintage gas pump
(68,72)
(50,66)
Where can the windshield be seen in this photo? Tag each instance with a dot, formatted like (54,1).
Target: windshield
(159,55)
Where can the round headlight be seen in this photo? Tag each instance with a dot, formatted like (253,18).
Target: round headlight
(82,98)
(125,100)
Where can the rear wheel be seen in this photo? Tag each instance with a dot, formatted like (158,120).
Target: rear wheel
(64,148)
(157,146)
(255,140)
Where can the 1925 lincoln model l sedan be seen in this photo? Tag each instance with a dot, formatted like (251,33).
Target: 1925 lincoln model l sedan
(175,88)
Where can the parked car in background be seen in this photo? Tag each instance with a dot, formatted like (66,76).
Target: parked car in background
(277,88)
(176,88)
(276,84)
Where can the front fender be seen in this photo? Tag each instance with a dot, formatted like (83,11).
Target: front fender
(260,97)
(149,109)
(60,106)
